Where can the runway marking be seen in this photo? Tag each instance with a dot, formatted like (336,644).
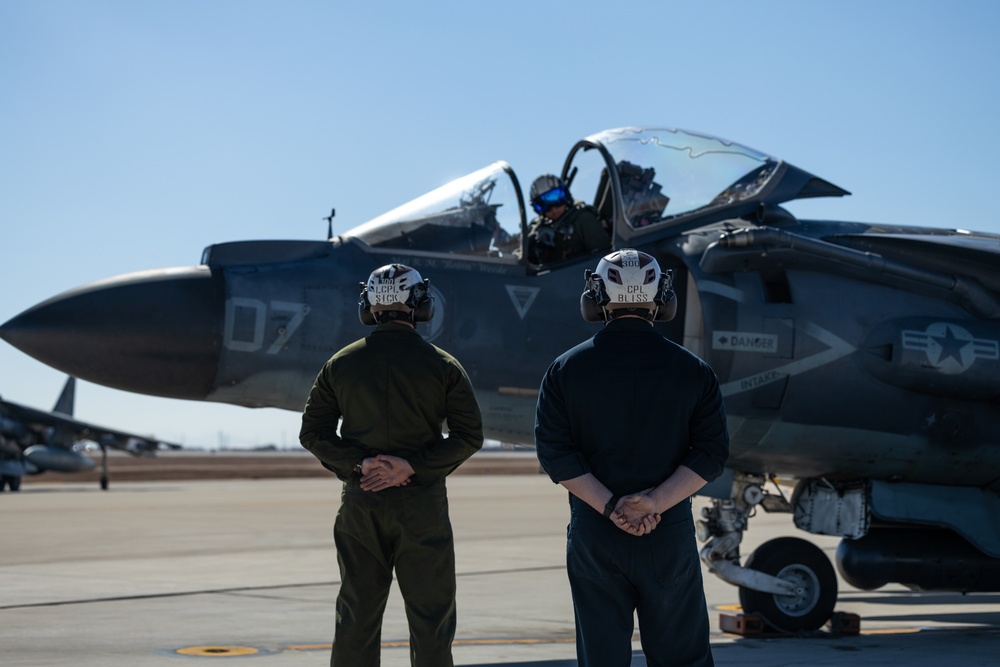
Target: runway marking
(154,596)
(457,642)
(234,651)
(218,651)
(250,589)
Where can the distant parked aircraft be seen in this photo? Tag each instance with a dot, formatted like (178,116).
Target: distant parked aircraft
(33,441)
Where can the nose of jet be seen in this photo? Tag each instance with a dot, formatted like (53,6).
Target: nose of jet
(154,332)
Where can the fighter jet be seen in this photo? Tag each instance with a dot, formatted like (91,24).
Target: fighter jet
(860,362)
(33,441)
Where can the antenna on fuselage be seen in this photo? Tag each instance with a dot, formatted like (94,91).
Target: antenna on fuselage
(329,223)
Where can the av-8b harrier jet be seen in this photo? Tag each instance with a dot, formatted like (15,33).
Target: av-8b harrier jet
(860,361)
(34,441)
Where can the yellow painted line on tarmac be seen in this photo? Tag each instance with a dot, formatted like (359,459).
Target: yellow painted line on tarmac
(488,642)
(457,642)
(239,651)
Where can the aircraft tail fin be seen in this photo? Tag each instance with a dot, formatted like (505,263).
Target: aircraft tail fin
(67,399)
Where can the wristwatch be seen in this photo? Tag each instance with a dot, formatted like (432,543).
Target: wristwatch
(357,467)
(610,507)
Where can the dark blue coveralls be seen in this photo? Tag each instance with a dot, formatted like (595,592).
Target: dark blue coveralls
(630,406)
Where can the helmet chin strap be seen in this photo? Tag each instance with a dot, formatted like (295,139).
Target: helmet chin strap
(611,314)
(384,316)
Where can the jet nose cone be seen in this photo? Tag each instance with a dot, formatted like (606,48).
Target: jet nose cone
(153,332)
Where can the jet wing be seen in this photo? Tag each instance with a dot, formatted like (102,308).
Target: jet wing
(952,265)
(55,429)
(971,254)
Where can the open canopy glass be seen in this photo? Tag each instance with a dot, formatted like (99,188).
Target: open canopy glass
(641,181)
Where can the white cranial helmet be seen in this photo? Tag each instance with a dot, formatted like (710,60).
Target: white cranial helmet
(395,291)
(392,284)
(628,279)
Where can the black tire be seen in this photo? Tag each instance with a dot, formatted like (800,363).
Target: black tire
(801,563)
(14,483)
(104,483)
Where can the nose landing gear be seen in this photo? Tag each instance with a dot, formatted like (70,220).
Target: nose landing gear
(806,567)
(788,582)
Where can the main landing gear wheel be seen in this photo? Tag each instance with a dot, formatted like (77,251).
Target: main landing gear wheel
(802,564)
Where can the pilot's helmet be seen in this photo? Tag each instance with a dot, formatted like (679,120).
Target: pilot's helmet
(628,282)
(547,191)
(395,292)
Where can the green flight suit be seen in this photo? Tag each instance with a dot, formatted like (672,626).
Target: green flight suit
(393,391)
(578,231)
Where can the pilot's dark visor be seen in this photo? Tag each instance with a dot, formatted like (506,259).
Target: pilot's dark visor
(547,200)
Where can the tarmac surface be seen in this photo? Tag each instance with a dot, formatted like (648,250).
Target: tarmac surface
(242,570)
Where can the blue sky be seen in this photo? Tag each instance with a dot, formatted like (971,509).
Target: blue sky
(134,134)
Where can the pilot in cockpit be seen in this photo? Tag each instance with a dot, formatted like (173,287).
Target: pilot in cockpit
(563,228)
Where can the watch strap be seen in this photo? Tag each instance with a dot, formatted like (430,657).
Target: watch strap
(610,507)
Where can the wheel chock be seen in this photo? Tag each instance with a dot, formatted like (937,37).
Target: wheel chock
(748,625)
(844,623)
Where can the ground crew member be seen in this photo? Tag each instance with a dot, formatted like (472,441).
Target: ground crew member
(562,229)
(393,391)
(632,425)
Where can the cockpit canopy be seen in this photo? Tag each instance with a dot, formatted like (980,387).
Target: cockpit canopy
(479,214)
(644,182)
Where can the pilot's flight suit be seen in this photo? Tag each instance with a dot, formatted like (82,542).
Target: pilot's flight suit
(579,231)
(393,390)
(630,406)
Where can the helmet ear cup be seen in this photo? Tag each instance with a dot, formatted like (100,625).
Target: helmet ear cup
(668,310)
(666,298)
(425,312)
(420,302)
(594,298)
(365,313)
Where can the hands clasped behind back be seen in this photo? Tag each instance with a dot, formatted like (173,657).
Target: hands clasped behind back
(383,472)
(636,514)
